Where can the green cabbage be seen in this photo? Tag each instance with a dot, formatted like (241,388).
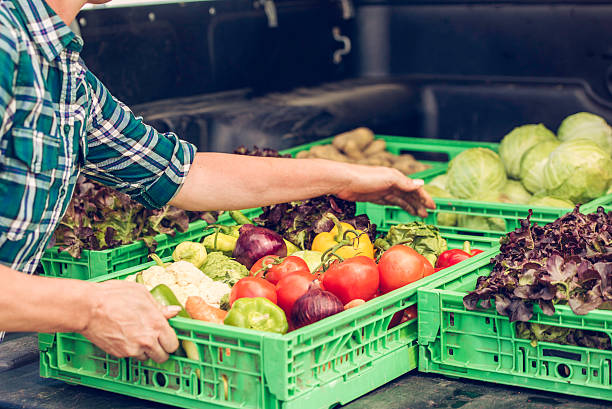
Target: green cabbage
(532,165)
(483,222)
(474,172)
(584,125)
(578,170)
(514,145)
(548,201)
(515,192)
(443,218)
(439,181)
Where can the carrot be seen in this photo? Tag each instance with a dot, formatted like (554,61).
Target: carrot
(198,309)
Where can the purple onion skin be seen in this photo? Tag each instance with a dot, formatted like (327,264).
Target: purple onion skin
(255,242)
(313,306)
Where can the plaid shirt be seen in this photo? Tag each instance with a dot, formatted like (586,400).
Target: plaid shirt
(57,120)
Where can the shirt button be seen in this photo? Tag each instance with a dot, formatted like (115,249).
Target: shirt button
(66,128)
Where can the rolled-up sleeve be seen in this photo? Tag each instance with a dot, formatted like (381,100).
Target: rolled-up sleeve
(130,156)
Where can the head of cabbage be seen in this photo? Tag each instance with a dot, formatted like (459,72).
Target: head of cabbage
(548,201)
(474,172)
(515,191)
(532,165)
(577,170)
(443,218)
(585,125)
(517,142)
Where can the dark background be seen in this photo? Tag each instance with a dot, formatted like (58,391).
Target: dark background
(219,76)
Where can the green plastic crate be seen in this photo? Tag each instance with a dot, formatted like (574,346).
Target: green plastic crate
(483,345)
(330,362)
(95,263)
(510,213)
(433,152)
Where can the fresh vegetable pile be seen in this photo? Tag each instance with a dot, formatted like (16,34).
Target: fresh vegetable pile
(567,262)
(99,218)
(533,167)
(252,277)
(360,146)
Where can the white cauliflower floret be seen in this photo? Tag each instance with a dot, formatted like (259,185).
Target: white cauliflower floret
(184,292)
(186,273)
(212,291)
(156,275)
(131,278)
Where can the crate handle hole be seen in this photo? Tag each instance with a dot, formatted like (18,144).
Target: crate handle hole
(161,379)
(563,370)
(584,371)
(533,364)
(496,358)
(68,358)
(450,351)
(487,320)
(452,319)
(595,373)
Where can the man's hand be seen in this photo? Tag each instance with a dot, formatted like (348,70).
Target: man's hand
(126,321)
(387,186)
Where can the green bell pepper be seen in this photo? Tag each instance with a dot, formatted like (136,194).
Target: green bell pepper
(257,313)
(164,295)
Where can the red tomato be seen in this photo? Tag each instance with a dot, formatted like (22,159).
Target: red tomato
(250,287)
(355,277)
(399,266)
(290,288)
(475,252)
(428,269)
(274,268)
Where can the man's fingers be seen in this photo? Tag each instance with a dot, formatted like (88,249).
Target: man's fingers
(410,185)
(171,311)
(168,340)
(141,357)
(157,353)
(398,201)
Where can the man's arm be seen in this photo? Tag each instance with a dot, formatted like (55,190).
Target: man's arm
(225,181)
(120,317)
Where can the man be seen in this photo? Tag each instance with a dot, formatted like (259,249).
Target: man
(57,120)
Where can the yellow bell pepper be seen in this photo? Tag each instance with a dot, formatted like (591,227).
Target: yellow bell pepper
(356,242)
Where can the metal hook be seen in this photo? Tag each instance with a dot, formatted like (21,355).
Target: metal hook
(346,45)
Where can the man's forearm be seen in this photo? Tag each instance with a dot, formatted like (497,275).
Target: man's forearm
(223,181)
(31,303)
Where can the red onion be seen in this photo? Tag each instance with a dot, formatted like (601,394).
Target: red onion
(255,242)
(313,306)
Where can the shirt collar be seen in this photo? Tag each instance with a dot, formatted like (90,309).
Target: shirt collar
(46,28)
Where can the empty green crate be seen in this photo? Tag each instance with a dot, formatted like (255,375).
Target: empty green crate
(483,345)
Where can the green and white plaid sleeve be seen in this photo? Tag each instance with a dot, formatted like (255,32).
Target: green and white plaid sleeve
(132,157)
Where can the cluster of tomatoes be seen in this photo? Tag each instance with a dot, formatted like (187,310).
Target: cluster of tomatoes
(284,280)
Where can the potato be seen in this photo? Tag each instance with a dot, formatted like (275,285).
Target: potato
(375,147)
(327,152)
(361,136)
